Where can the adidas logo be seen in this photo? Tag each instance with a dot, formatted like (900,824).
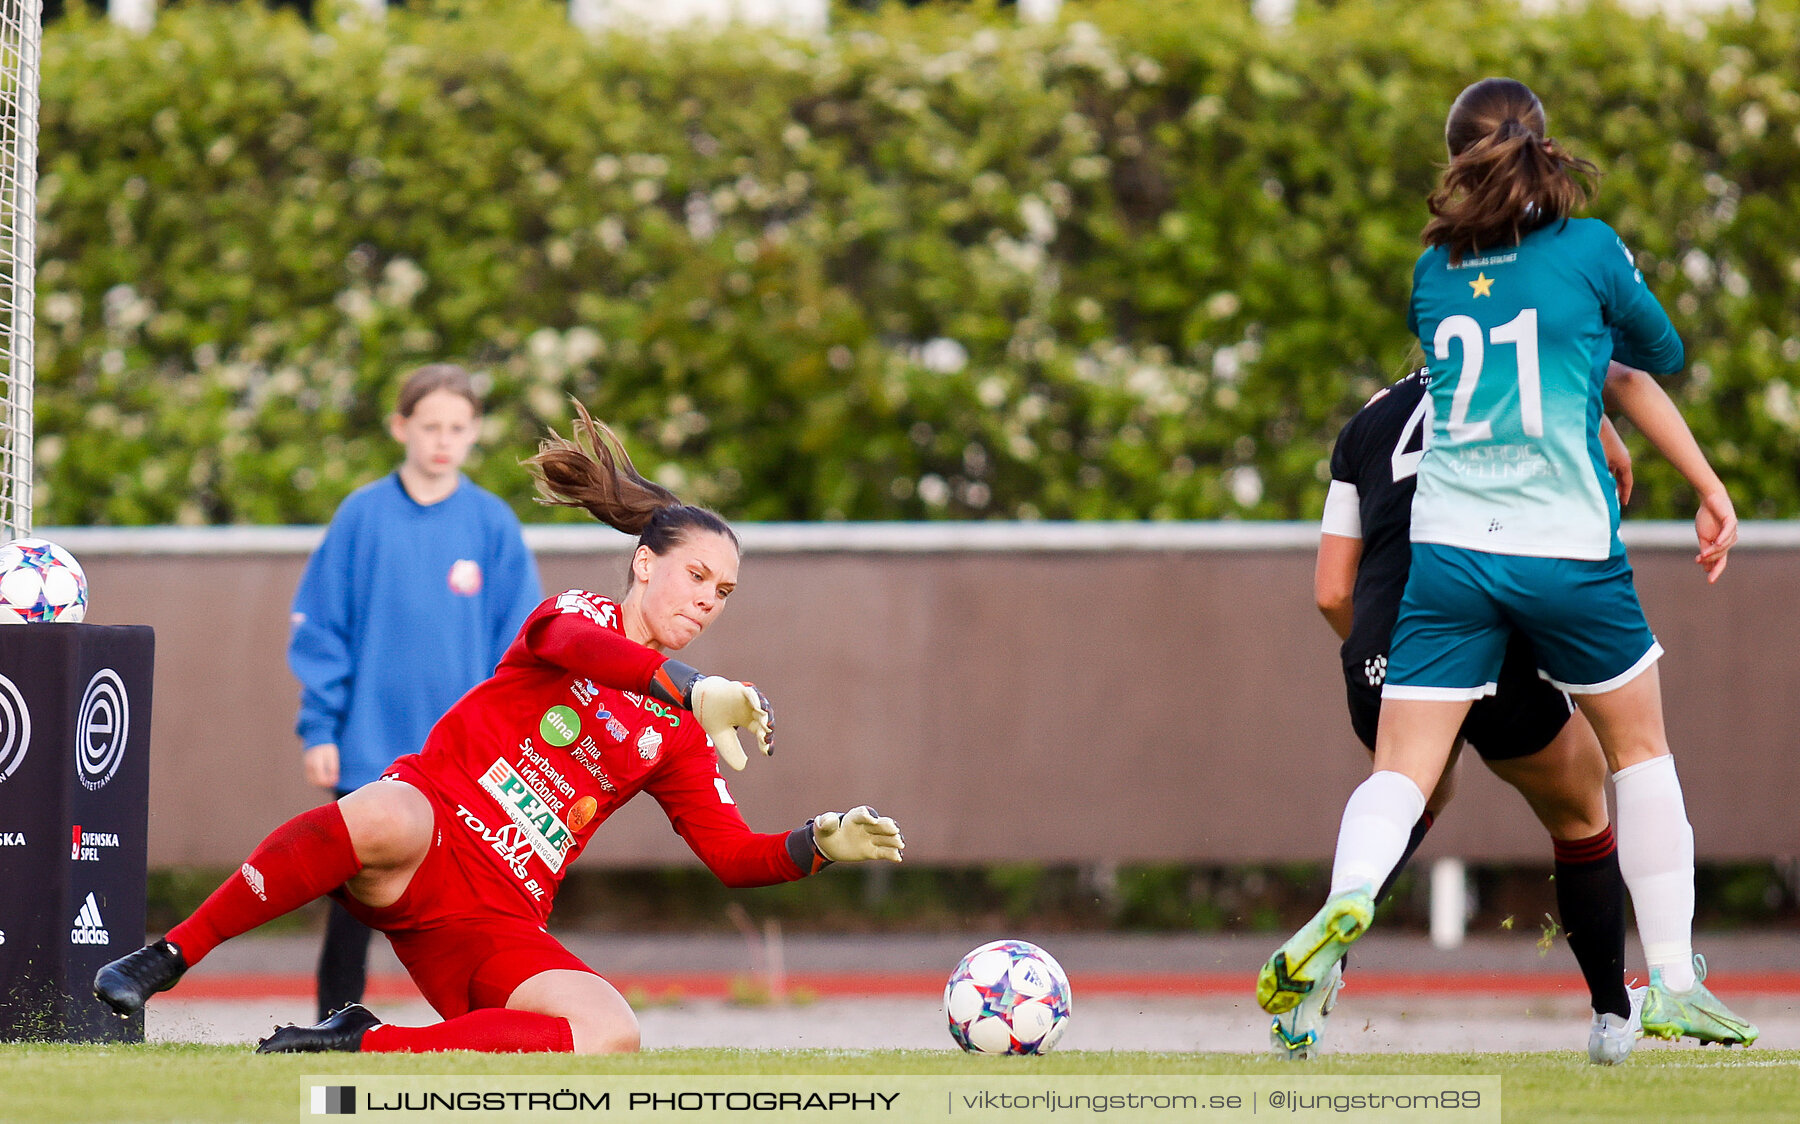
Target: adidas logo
(89,928)
(254,878)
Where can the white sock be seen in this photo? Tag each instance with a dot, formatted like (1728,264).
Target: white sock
(1656,856)
(1378,820)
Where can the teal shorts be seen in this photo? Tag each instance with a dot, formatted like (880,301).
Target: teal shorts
(1461,606)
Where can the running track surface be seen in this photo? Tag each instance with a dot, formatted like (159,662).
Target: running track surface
(1167,985)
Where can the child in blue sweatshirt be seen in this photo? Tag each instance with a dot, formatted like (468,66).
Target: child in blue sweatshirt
(419,568)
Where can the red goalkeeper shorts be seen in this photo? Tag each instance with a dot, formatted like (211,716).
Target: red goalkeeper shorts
(459,929)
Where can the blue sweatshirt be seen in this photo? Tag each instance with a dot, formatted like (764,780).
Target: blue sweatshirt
(401,610)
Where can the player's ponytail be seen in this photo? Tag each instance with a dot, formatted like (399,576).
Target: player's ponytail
(1505,177)
(591,470)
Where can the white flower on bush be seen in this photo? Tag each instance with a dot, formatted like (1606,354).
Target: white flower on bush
(546,400)
(1089,167)
(1154,385)
(582,344)
(62,308)
(1227,364)
(1039,220)
(356,305)
(1698,268)
(1025,257)
(702,219)
(1734,282)
(1778,403)
(124,309)
(1223,305)
(545,347)
(401,281)
(934,490)
(1246,485)
(647,164)
(943,356)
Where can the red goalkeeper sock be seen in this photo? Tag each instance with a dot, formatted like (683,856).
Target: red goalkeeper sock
(302,859)
(494,1030)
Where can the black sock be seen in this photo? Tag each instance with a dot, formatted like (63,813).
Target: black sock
(1590,895)
(1412,844)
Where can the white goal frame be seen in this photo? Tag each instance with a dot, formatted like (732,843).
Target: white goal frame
(21,39)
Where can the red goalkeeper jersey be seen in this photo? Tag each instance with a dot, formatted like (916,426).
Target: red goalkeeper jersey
(533,760)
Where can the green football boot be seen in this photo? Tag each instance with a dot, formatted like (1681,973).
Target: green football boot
(1298,1034)
(1308,957)
(1695,1013)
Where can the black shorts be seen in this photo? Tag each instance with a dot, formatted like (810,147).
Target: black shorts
(1523,716)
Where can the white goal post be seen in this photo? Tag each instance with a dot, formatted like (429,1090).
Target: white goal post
(21,35)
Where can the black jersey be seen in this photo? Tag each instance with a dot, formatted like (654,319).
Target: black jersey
(1378,452)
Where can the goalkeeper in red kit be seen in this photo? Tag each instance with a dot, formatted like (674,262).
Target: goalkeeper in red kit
(457,852)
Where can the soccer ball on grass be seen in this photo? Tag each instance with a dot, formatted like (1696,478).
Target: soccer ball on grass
(40,581)
(1008,997)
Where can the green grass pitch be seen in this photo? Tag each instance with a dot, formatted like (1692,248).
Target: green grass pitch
(121,1084)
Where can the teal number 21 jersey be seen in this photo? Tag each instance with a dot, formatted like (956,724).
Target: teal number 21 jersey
(1518,342)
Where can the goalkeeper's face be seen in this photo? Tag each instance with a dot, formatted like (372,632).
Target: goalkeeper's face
(680,592)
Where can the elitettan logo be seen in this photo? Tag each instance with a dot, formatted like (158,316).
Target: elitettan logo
(15,728)
(101,728)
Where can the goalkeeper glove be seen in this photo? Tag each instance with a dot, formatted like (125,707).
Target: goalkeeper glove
(722,706)
(857,836)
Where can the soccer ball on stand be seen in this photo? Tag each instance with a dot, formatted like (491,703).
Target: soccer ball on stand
(1008,997)
(40,581)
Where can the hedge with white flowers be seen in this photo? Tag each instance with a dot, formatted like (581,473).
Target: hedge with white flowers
(1138,264)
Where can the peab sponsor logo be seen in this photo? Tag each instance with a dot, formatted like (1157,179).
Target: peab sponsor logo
(89,928)
(549,837)
(85,846)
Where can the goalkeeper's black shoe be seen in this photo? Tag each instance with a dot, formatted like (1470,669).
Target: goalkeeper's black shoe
(342,1031)
(127,983)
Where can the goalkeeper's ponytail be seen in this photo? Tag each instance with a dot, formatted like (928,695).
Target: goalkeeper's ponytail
(592,471)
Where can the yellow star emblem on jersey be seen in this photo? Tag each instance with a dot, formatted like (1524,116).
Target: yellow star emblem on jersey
(1483,284)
